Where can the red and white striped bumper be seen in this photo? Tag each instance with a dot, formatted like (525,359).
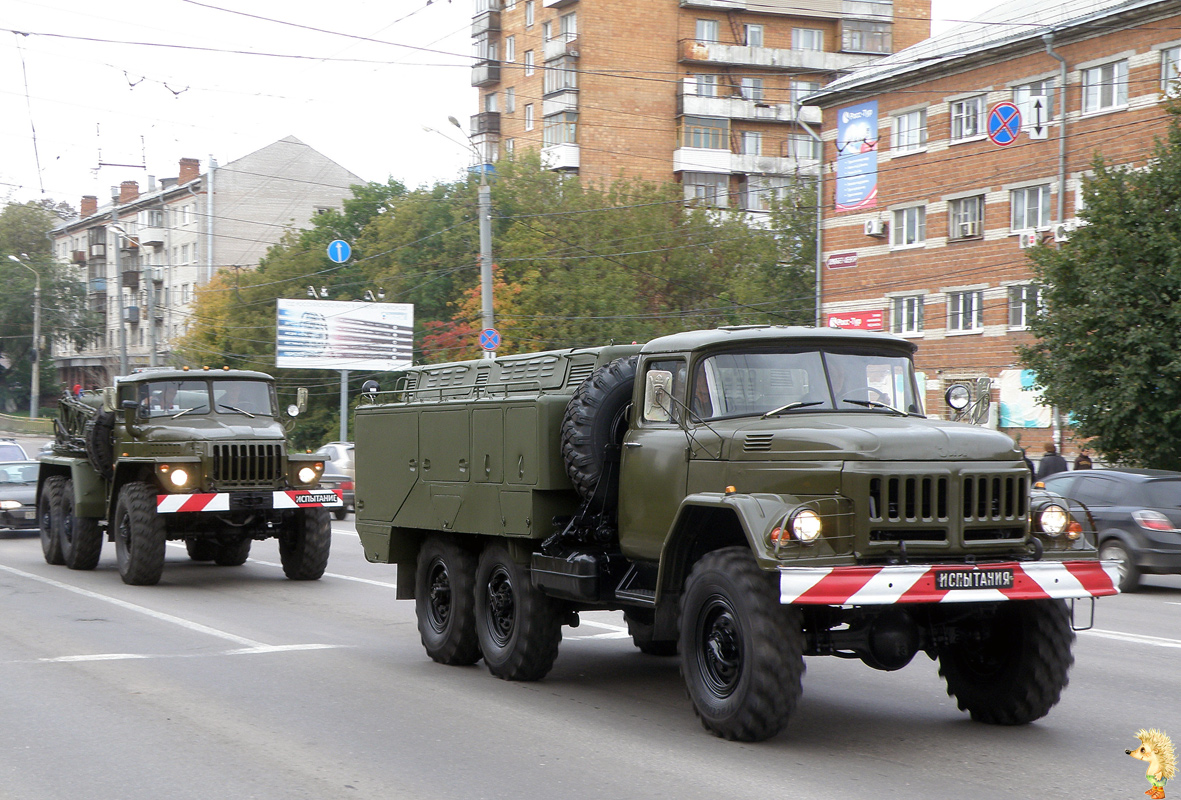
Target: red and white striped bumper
(233,501)
(917,583)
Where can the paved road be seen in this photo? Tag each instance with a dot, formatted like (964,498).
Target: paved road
(234,682)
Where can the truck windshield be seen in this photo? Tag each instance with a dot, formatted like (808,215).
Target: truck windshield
(170,398)
(251,398)
(753,384)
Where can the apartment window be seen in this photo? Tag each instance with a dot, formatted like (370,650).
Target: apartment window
(753,35)
(801,145)
(509,5)
(707,30)
(866,37)
(707,132)
(561,74)
(965,311)
(752,143)
(752,88)
(568,25)
(547,31)
(1023,304)
(510,146)
(966,217)
(528,116)
(560,129)
(762,191)
(1031,207)
(707,188)
(967,117)
(801,89)
(528,63)
(528,13)
(1105,87)
(186,293)
(484,48)
(1170,70)
(909,228)
(1022,99)
(707,85)
(510,48)
(184,254)
(907,314)
(909,131)
(510,100)
(807,39)
(490,103)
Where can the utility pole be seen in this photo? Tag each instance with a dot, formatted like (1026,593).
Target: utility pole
(484,209)
(35,380)
(122,311)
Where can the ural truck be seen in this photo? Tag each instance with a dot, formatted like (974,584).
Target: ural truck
(198,456)
(746,496)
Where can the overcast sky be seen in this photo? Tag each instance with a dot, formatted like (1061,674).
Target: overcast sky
(147,82)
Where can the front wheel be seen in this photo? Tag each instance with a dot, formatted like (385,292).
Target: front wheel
(140,536)
(741,650)
(80,538)
(48,511)
(445,601)
(304,545)
(1009,667)
(519,627)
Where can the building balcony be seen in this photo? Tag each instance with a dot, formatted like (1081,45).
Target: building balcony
(78,257)
(559,102)
(486,22)
(485,73)
(557,3)
(689,103)
(560,156)
(747,164)
(485,122)
(564,44)
(151,236)
(98,251)
(695,52)
(702,159)
(97,285)
(131,279)
(795,8)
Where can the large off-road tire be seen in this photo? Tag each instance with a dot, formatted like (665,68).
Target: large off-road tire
(140,535)
(232,552)
(201,549)
(445,601)
(596,417)
(640,626)
(100,444)
(1012,666)
(1129,573)
(81,538)
(48,511)
(303,547)
(741,650)
(519,627)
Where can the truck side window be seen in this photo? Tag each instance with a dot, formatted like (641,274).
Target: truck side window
(677,368)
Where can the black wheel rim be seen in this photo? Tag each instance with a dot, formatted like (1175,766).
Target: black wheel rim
(501,606)
(124,533)
(46,520)
(1120,558)
(439,597)
(719,651)
(67,526)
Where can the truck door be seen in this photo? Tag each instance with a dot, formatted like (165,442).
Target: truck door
(654,467)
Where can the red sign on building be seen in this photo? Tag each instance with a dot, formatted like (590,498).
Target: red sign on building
(858,320)
(840,260)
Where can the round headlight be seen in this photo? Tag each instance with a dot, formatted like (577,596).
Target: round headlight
(805,525)
(958,396)
(1054,520)
(178,476)
(306,475)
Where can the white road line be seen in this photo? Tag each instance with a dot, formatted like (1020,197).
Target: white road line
(383,584)
(1156,641)
(247,651)
(604,625)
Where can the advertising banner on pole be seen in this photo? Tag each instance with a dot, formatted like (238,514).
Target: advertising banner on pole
(857,157)
(329,334)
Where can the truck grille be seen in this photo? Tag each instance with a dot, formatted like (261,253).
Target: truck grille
(920,507)
(247,464)
(913,498)
(993,498)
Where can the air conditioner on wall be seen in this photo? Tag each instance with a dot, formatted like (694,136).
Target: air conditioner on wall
(1029,239)
(875,227)
(1062,232)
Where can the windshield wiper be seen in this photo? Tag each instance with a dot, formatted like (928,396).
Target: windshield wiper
(184,411)
(235,408)
(876,404)
(792,407)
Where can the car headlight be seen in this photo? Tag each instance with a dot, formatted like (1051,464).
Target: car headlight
(805,525)
(1053,519)
(9,505)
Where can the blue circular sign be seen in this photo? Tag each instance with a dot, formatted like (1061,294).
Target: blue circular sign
(489,339)
(1004,124)
(339,251)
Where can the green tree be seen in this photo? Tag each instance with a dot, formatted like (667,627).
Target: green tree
(1108,349)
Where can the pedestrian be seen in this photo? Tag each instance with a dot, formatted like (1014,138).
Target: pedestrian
(1083,461)
(1051,462)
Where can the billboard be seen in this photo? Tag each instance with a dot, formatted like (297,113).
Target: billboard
(858,320)
(857,157)
(329,334)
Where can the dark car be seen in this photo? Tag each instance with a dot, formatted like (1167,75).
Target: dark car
(1137,514)
(334,478)
(18,495)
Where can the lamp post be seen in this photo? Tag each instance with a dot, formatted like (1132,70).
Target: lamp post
(484,196)
(35,387)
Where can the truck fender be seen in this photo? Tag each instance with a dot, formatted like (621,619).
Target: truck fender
(90,490)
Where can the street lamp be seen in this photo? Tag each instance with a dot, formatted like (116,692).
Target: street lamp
(485,212)
(373,299)
(35,388)
(312,291)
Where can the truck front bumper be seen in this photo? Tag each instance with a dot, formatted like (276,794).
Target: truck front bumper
(946,583)
(248,501)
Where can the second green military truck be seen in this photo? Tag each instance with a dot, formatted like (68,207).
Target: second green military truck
(746,496)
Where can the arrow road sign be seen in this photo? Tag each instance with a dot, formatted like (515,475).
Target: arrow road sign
(1039,111)
(339,251)
(1004,124)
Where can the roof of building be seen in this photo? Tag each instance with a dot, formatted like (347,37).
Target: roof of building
(1017,24)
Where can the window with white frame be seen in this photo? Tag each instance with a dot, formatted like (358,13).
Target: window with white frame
(1023,94)
(528,63)
(1030,206)
(752,88)
(560,129)
(568,25)
(1105,87)
(909,131)
(1170,70)
(802,145)
(753,35)
(967,117)
(1024,301)
(528,13)
(510,146)
(752,143)
(510,99)
(707,30)
(547,30)
(909,227)
(510,48)
(528,116)
(761,191)
(907,316)
(965,217)
(484,48)
(807,39)
(801,89)
(707,84)
(866,37)
(490,105)
(561,74)
(707,188)
(708,132)
(509,5)
(965,311)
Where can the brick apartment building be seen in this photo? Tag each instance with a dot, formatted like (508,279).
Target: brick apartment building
(928,241)
(143,254)
(702,91)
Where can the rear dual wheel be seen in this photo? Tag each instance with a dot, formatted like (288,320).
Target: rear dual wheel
(80,538)
(445,602)
(518,626)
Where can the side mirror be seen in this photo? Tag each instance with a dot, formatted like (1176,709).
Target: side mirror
(657,395)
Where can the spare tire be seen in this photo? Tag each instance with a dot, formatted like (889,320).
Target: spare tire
(596,417)
(100,445)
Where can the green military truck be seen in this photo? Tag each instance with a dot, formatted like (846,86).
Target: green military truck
(746,496)
(192,455)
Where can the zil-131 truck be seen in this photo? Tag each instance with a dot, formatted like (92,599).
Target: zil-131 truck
(746,496)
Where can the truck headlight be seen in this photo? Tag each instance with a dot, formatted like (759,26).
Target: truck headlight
(178,477)
(805,525)
(309,473)
(1054,519)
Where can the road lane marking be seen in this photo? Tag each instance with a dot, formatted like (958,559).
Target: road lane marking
(338,576)
(1156,641)
(246,651)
